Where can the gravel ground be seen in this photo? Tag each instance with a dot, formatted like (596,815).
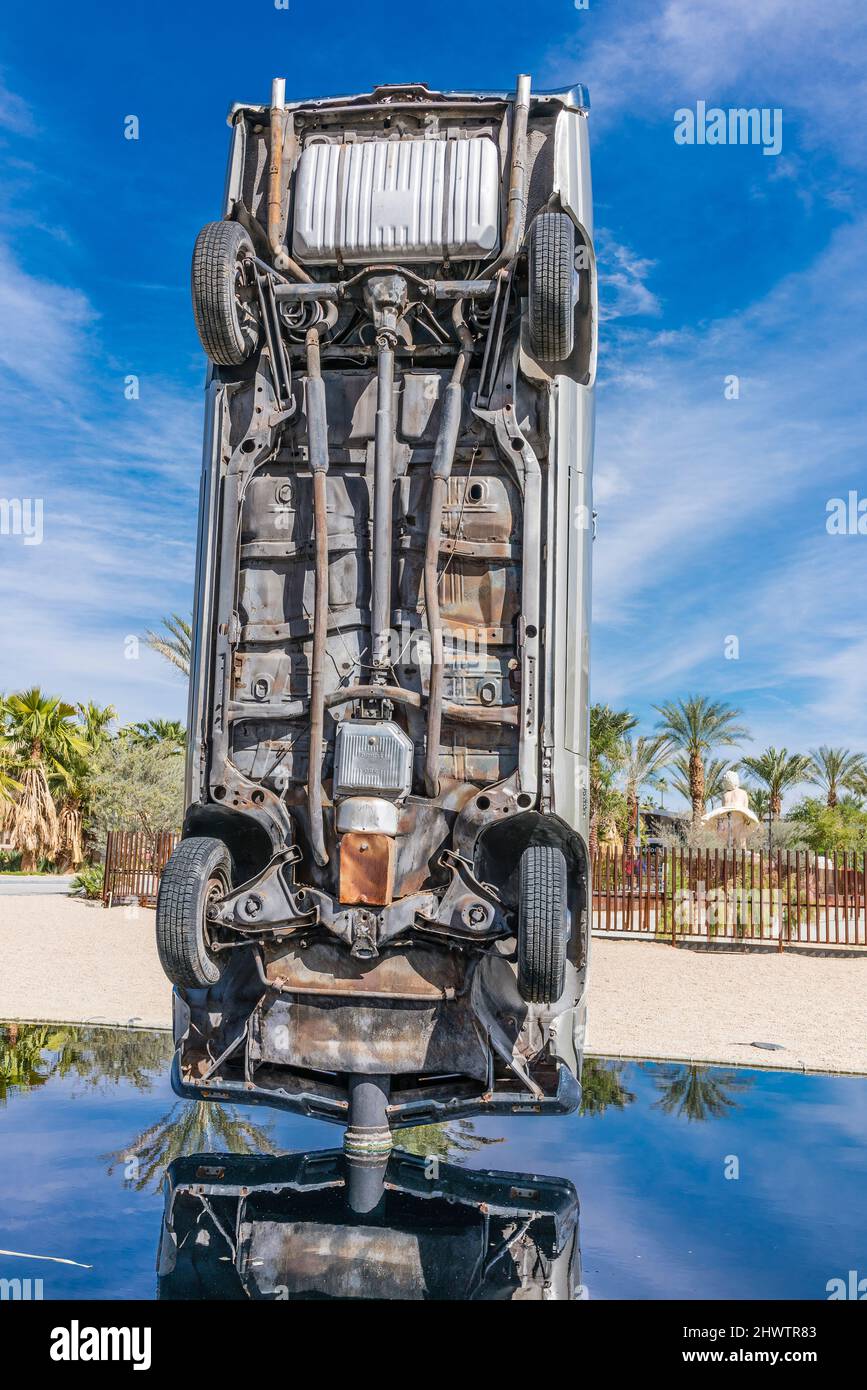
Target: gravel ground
(650,1000)
(67,960)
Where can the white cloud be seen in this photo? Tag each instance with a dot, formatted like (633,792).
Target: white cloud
(623,281)
(712,511)
(806,57)
(15,114)
(119,484)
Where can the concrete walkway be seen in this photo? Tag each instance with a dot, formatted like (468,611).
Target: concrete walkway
(67,960)
(19,885)
(70,961)
(653,1000)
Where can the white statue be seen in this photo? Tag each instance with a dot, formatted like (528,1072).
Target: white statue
(733,819)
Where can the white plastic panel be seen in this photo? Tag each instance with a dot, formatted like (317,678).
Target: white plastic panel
(397,200)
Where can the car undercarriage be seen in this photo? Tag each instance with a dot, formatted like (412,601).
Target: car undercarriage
(378,913)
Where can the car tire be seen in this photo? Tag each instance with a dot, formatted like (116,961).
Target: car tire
(199,870)
(543,924)
(551,281)
(227,323)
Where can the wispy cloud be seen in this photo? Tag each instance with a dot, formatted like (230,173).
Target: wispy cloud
(623,278)
(712,510)
(118,480)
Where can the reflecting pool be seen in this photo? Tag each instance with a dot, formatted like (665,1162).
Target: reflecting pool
(673,1181)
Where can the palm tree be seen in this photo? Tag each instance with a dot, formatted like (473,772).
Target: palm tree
(602,1086)
(8,784)
(713,772)
(189,1127)
(44,744)
(644,758)
(608,729)
(760,801)
(96,721)
(175,644)
(696,726)
(697,1092)
(72,792)
(163,733)
(452,1139)
(777,769)
(835,769)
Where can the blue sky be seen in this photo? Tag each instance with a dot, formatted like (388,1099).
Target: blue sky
(716,261)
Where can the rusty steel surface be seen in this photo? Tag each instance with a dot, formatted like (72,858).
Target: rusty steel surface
(414,973)
(366,868)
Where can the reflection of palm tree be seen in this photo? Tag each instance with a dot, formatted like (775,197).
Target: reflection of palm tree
(601,1087)
(22,1064)
(190,1126)
(31,1053)
(445,1141)
(699,1093)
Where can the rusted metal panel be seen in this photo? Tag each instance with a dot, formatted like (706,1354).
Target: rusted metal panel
(406,1011)
(415,973)
(366,868)
(371,1037)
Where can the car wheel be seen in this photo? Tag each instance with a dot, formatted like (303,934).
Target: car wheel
(551,269)
(225,305)
(199,871)
(543,924)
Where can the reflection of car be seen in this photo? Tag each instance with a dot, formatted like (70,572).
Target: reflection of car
(378,911)
(282,1228)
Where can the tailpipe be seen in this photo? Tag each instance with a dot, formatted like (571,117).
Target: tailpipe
(317,448)
(277,184)
(441,468)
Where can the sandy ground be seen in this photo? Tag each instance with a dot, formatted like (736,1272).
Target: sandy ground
(652,1000)
(66,960)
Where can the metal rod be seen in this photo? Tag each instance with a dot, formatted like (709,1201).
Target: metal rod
(441,468)
(517,205)
(282,260)
(383,481)
(317,441)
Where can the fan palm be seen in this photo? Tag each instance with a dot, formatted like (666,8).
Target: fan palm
(96,721)
(835,769)
(696,726)
(175,644)
(608,729)
(777,769)
(164,733)
(643,758)
(44,743)
(72,792)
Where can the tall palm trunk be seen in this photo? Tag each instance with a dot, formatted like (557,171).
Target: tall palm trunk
(696,786)
(631,820)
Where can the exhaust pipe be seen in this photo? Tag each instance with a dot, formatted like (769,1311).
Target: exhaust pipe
(281,258)
(317,447)
(383,482)
(517,205)
(441,468)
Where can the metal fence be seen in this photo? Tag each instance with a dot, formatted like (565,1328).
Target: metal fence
(788,897)
(134,862)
